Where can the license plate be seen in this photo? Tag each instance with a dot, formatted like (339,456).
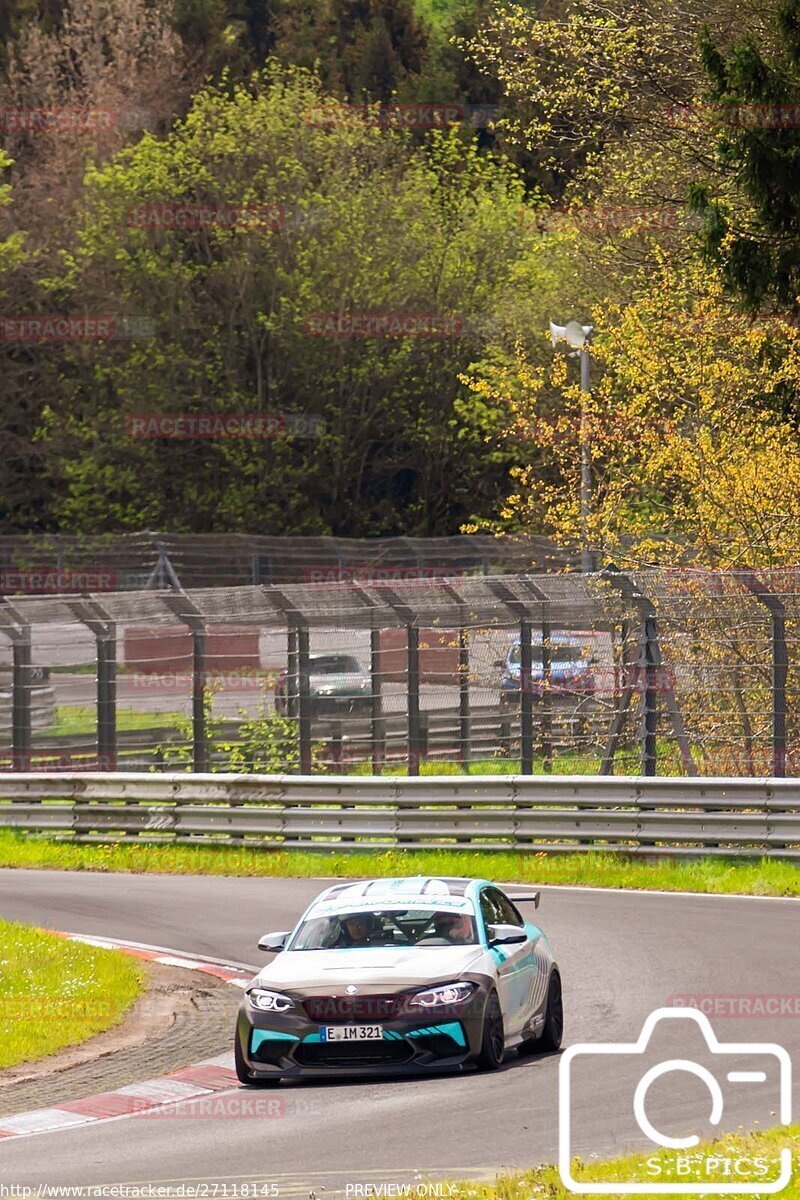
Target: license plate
(351,1033)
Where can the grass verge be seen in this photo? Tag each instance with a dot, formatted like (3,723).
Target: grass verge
(55,993)
(718,876)
(76,719)
(756,1153)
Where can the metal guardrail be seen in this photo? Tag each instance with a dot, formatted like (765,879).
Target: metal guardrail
(669,817)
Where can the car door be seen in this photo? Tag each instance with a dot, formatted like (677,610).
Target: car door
(514,962)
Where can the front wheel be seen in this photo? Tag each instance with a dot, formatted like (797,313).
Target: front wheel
(493,1038)
(553,1031)
(244,1076)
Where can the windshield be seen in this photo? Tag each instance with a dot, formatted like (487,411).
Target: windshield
(559,653)
(386,928)
(335,664)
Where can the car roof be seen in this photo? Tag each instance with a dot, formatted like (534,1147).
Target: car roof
(400,886)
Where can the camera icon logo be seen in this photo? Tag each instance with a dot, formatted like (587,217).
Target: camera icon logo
(733,1181)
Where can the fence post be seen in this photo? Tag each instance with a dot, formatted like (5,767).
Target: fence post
(336,748)
(292,685)
(22,701)
(91,614)
(414,729)
(547,699)
(199,731)
(107,699)
(18,632)
(650,708)
(377,733)
(190,615)
(525,698)
(304,700)
(780,668)
(464,754)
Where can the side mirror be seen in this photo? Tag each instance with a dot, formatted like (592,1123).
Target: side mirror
(499,662)
(505,935)
(273,942)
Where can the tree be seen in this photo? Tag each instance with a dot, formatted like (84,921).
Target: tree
(692,459)
(363,49)
(366,223)
(754,237)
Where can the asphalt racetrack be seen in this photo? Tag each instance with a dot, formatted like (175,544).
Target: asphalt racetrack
(622,956)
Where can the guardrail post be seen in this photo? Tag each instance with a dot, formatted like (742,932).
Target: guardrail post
(414,730)
(22,701)
(525,698)
(304,700)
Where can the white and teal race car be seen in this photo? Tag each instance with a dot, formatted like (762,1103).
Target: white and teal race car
(401,976)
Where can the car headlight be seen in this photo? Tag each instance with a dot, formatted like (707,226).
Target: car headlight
(448,993)
(270,1001)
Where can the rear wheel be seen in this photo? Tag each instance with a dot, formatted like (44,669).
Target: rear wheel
(493,1039)
(243,1074)
(553,1031)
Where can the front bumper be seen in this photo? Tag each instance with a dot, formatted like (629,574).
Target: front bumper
(290,1044)
(333,705)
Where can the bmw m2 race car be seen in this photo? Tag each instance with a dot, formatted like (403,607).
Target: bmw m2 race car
(400,976)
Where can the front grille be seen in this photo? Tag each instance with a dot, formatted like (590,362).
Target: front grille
(354,1054)
(336,1010)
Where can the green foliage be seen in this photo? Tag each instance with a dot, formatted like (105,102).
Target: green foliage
(267,743)
(178,753)
(373,224)
(755,88)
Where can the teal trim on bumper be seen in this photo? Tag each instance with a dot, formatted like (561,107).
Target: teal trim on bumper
(452,1030)
(257,1036)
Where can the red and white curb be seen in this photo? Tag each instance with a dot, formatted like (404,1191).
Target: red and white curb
(140,1099)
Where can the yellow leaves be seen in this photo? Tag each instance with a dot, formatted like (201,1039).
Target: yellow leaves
(688,447)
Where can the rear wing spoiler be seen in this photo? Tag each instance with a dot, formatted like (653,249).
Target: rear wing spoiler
(529,898)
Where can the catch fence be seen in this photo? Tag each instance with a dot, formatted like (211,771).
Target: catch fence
(669,671)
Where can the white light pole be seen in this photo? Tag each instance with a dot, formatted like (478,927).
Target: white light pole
(578,336)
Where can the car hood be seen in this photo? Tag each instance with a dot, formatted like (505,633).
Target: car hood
(323,971)
(349,679)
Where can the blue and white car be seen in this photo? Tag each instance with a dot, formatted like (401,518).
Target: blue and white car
(571,671)
(401,976)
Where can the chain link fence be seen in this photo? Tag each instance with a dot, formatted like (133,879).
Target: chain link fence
(656,671)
